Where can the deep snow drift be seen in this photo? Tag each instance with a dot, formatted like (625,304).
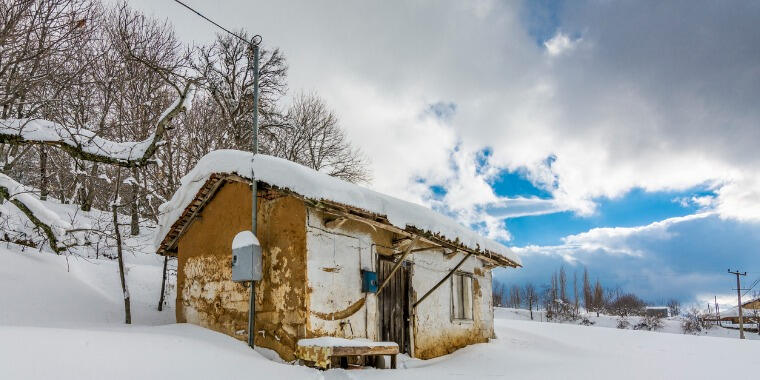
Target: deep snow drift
(63,320)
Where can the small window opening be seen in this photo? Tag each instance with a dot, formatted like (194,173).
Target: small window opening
(461,294)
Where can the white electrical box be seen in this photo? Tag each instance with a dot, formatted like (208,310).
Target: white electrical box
(246,257)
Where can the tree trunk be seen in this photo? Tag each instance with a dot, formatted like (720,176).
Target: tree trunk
(43,174)
(530,307)
(122,275)
(133,209)
(163,285)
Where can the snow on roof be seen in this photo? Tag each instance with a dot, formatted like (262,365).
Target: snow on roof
(319,186)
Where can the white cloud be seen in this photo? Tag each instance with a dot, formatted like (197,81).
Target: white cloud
(612,241)
(661,100)
(559,44)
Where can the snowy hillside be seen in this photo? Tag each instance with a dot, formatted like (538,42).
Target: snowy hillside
(670,325)
(61,318)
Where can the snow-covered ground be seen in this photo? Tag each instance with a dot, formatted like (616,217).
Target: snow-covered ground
(670,325)
(61,318)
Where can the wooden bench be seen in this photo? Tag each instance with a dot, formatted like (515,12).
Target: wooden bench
(320,352)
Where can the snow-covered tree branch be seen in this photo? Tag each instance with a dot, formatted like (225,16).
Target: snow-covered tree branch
(87,145)
(43,218)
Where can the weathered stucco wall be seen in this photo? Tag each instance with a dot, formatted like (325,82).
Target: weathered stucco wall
(336,256)
(207,297)
(312,282)
(436,333)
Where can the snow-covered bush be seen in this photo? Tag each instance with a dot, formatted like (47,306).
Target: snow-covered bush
(650,323)
(693,323)
(560,311)
(586,322)
(623,323)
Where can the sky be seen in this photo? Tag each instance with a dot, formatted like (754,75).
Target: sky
(617,136)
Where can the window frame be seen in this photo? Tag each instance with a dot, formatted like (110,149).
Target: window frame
(460,276)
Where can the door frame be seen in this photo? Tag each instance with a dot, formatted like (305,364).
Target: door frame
(408,325)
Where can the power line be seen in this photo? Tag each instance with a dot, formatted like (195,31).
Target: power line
(752,286)
(255,41)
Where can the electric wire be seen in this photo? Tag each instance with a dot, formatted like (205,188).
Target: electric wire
(751,287)
(255,41)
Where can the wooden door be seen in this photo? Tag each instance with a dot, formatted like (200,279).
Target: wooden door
(393,304)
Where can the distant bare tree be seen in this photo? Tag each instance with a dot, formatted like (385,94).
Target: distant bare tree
(588,295)
(575,292)
(674,306)
(562,284)
(598,297)
(313,138)
(626,304)
(498,293)
(530,297)
(514,296)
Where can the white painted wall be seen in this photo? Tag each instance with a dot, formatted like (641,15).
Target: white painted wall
(433,315)
(334,261)
(335,258)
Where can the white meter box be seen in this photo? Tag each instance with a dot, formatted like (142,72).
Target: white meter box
(246,257)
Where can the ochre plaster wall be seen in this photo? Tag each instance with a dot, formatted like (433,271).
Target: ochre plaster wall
(290,304)
(205,294)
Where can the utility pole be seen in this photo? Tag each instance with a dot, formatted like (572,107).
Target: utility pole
(717,312)
(739,297)
(255,41)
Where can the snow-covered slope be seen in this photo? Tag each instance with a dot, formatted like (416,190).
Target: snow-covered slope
(44,289)
(63,320)
(670,325)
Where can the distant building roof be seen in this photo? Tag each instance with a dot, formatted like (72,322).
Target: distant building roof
(752,304)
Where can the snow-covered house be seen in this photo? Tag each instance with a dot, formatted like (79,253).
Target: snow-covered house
(657,311)
(318,235)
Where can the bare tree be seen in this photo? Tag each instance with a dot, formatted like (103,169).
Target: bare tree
(77,125)
(530,297)
(588,295)
(575,292)
(598,297)
(562,284)
(498,293)
(313,138)
(674,306)
(119,251)
(514,297)
(226,67)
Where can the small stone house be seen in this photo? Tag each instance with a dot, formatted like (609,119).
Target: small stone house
(318,234)
(657,311)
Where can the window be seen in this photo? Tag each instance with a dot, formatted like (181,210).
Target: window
(461,296)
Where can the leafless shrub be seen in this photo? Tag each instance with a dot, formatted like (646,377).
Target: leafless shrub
(693,323)
(649,323)
(623,323)
(626,304)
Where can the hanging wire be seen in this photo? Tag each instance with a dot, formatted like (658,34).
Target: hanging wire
(753,285)
(256,40)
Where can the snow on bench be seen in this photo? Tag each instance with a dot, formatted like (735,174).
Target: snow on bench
(320,351)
